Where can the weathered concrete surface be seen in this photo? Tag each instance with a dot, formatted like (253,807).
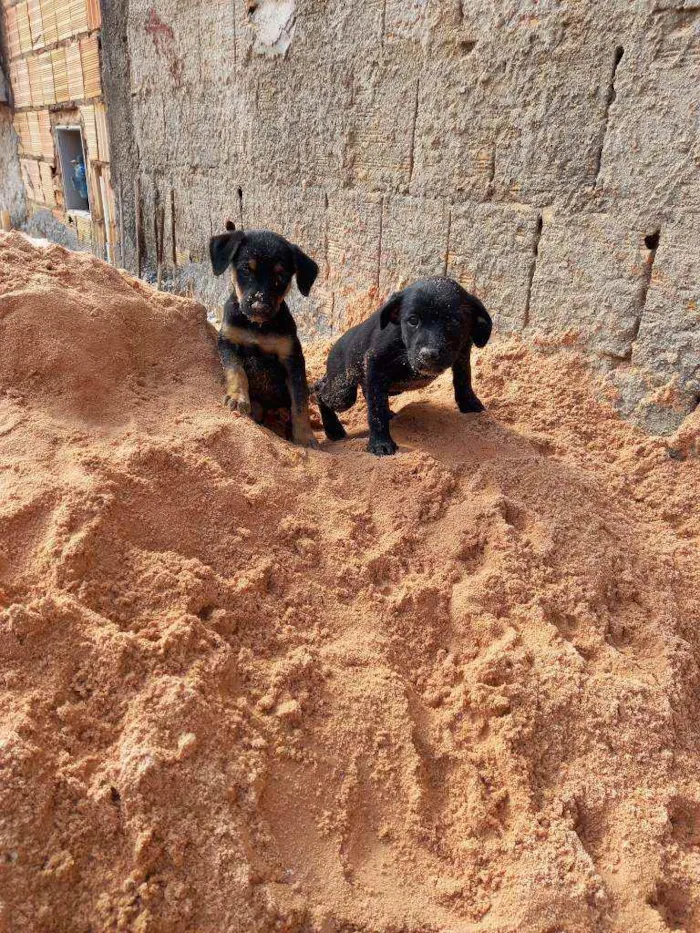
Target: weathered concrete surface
(116,81)
(11,187)
(651,152)
(532,149)
(44,226)
(669,332)
(493,252)
(601,265)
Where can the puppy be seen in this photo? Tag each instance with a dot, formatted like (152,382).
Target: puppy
(261,354)
(413,338)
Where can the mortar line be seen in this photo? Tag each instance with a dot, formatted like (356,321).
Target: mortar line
(173,233)
(211,201)
(492,174)
(447,245)
(235,36)
(381,237)
(413,136)
(685,9)
(533,269)
(326,237)
(646,284)
(611,95)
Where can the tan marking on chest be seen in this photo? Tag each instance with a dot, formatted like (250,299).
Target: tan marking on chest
(278,345)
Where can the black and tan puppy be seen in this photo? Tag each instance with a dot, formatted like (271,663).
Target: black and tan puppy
(262,357)
(416,335)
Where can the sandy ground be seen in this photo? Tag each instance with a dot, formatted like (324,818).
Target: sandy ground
(245,687)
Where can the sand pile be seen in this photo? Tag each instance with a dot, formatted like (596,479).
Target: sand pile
(246,687)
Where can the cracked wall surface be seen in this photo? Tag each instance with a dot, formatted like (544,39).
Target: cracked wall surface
(12,197)
(533,150)
(11,189)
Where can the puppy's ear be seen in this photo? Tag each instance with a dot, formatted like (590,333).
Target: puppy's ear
(390,311)
(306,270)
(223,249)
(481,330)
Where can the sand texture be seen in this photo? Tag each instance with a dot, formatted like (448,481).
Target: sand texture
(246,687)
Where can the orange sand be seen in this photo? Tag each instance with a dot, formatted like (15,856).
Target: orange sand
(246,687)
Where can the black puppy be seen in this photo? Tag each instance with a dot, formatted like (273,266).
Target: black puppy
(416,335)
(262,357)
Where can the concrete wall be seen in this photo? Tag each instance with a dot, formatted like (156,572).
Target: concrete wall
(11,188)
(12,197)
(544,152)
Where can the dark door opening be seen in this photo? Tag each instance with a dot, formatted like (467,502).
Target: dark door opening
(73,168)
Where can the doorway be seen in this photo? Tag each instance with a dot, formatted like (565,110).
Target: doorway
(73,168)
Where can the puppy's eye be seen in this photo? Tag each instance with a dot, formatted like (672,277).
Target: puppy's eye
(414,320)
(279,281)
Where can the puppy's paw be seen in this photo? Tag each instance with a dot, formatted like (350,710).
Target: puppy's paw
(305,437)
(238,403)
(471,405)
(307,440)
(381,448)
(335,432)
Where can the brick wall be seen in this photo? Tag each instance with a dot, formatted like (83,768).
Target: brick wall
(53,53)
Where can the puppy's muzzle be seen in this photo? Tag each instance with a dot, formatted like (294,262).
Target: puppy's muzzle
(429,360)
(260,311)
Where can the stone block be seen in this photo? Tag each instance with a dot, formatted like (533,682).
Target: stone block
(382,126)
(354,236)
(453,141)
(667,349)
(550,72)
(650,158)
(414,241)
(589,280)
(492,254)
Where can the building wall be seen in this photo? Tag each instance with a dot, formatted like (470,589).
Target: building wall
(543,152)
(53,53)
(11,187)
(12,201)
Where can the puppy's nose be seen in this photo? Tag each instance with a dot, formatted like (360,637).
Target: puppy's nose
(257,306)
(428,355)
